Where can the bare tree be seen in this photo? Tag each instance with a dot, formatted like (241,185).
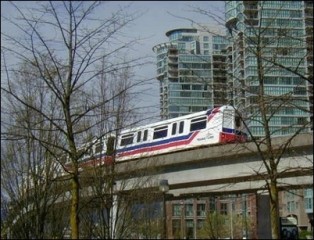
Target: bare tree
(276,47)
(99,175)
(29,172)
(105,212)
(63,42)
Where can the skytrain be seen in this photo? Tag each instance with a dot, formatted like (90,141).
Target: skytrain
(219,125)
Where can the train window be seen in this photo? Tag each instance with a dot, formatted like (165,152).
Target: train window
(80,152)
(98,147)
(126,140)
(88,153)
(160,132)
(181,127)
(139,135)
(198,123)
(145,135)
(174,129)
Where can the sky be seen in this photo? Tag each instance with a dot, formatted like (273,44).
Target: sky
(157,18)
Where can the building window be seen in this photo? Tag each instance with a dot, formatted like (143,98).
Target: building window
(185,94)
(181,46)
(308,192)
(176,210)
(200,223)
(212,204)
(176,228)
(186,87)
(308,203)
(206,45)
(189,229)
(223,208)
(197,87)
(291,206)
(201,209)
(205,38)
(189,210)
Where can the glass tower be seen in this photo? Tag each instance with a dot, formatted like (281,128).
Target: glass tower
(283,36)
(191,71)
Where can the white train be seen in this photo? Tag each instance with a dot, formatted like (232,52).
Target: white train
(214,126)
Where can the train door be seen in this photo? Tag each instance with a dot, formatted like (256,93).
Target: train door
(227,131)
(227,120)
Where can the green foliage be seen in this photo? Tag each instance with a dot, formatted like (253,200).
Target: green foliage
(215,226)
(303,234)
(219,226)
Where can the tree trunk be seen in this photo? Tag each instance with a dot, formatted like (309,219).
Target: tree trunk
(74,221)
(274,213)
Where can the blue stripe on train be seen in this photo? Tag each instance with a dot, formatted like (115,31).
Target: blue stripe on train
(228,130)
(231,130)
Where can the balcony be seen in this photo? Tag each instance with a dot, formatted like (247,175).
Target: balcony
(173,69)
(231,22)
(218,66)
(245,3)
(173,75)
(251,19)
(173,52)
(250,8)
(160,76)
(173,63)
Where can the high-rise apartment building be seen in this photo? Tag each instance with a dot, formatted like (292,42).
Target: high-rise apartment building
(308,23)
(284,32)
(191,71)
(276,31)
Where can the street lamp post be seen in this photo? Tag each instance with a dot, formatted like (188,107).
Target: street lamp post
(231,219)
(245,217)
(164,187)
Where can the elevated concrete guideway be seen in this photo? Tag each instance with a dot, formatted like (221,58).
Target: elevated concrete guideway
(224,168)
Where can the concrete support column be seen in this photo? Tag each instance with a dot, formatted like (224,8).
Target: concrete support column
(263,216)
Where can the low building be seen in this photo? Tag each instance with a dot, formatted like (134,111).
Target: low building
(232,216)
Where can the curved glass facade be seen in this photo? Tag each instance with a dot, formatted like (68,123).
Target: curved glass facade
(185,70)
